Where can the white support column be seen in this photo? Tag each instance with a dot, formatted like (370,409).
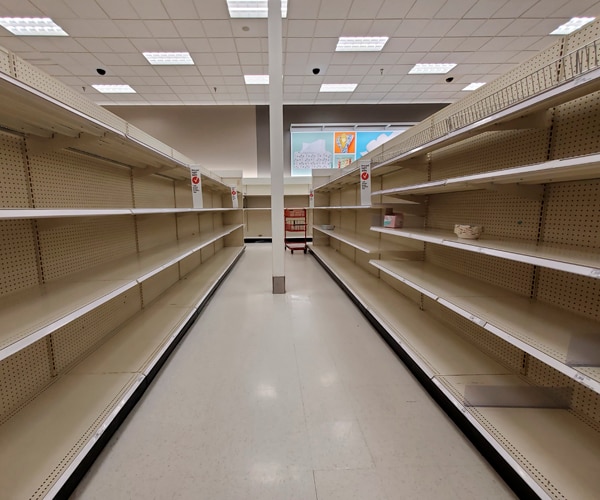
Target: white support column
(276,138)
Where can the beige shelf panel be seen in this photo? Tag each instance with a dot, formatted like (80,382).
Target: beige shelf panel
(340,178)
(552,446)
(432,345)
(46,440)
(554,96)
(562,258)
(541,444)
(555,336)
(363,243)
(65,213)
(567,169)
(34,313)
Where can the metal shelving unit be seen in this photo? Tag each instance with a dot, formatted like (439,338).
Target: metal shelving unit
(505,327)
(104,263)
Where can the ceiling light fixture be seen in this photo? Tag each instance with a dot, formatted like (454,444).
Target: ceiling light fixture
(256,79)
(338,87)
(431,69)
(361,43)
(169,58)
(32,26)
(114,89)
(474,85)
(247,9)
(572,25)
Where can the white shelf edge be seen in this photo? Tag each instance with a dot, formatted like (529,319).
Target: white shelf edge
(48,329)
(490,439)
(480,126)
(514,255)
(504,176)
(353,243)
(565,369)
(64,477)
(41,213)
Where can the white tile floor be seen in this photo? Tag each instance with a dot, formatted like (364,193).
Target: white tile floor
(287,397)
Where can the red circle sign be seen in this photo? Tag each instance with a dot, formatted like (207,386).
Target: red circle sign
(364,176)
(195,180)
(233,192)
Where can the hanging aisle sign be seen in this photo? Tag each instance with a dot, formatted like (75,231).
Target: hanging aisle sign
(234,197)
(196,188)
(365,182)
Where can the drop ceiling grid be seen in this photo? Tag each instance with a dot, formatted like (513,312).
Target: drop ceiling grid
(105,32)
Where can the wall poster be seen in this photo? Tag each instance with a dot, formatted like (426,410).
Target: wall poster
(334,149)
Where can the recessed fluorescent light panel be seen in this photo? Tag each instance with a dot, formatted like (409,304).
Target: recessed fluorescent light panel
(260,8)
(169,58)
(474,86)
(256,79)
(32,26)
(338,87)
(114,89)
(361,43)
(572,25)
(431,69)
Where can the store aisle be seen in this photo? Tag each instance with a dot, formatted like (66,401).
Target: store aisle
(285,397)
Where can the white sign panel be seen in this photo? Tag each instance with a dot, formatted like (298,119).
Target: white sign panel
(311,199)
(196,188)
(234,197)
(365,182)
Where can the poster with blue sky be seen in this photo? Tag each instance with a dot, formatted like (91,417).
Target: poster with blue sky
(320,149)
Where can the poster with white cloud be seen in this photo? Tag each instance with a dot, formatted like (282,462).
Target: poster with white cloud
(368,141)
(336,149)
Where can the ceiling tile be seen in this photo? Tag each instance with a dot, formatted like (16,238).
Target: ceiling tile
(162,29)
(176,9)
(354,27)
(189,28)
(149,9)
(455,9)
(425,10)
(411,28)
(222,45)
(86,9)
(484,9)
(217,29)
(514,8)
(298,44)
(133,29)
(329,28)
(338,9)
(324,45)
(227,58)
(248,44)
(301,28)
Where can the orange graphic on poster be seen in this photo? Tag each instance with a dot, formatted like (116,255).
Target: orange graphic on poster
(344,142)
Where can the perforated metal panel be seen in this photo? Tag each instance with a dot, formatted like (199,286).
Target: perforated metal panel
(76,340)
(502,216)
(514,276)
(187,225)
(5,62)
(577,127)
(584,402)
(488,151)
(404,177)
(71,245)
(14,182)
(572,292)
(155,230)
(36,78)
(22,376)
(153,191)
(582,37)
(18,256)
(183,195)
(190,263)
(499,349)
(157,284)
(69,180)
(571,214)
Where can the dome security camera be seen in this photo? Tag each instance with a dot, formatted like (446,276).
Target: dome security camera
(101,71)
(316,71)
(450,79)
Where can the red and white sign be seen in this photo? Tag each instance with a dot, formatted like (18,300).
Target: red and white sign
(311,199)
(234,197)
(197,201)
(365,182)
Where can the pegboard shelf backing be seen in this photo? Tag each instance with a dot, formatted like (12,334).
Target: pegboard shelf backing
(520,156)
(97,235)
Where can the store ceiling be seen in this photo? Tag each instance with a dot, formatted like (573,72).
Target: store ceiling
(485,38)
